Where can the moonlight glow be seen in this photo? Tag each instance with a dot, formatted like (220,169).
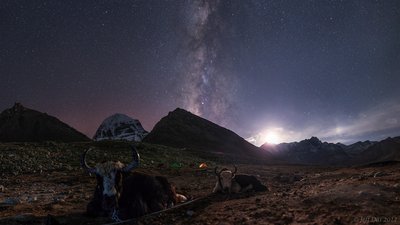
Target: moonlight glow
(272,138)
(271,135)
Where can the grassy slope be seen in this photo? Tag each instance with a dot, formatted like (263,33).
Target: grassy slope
(20,158)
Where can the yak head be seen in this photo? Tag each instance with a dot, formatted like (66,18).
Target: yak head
(225,178)
(109,176)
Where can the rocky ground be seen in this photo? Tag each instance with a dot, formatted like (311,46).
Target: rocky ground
(41,179)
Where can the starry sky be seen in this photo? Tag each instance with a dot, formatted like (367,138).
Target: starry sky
(288,69)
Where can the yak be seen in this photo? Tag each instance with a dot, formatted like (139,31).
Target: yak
(230,182)
(123,194)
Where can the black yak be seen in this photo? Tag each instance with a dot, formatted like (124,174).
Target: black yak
(123,194)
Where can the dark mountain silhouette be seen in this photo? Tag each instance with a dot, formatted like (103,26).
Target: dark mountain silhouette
(314,152)
(309,151)
(358,147)
(22,124)
(183,129)
(385,150)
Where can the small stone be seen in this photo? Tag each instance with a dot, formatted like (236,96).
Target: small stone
(190,212)
(69,168)
(56,206)
(58,200)
(32,199)
(2,188)
(11,201)
(379,174)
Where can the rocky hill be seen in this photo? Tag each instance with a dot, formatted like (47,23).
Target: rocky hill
(183,129)
(23,124)
(358,147)
(385,150)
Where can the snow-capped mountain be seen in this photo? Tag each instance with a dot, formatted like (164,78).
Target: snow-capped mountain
(120,127)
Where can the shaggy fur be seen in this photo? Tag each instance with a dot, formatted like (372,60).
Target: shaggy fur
(123,195)
(139,194)
(106,168)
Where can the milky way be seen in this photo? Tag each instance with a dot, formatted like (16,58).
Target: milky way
(208,88)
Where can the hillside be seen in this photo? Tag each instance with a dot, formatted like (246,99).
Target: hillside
(183,129)
(385,150)
(23,124)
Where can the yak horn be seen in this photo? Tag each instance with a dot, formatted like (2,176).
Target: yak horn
(135,161)
(216,171)
(234,172)
(219,173)
(84,164)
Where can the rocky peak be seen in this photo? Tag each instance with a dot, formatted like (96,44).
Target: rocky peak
(120,127)
(313,141)
(18,107)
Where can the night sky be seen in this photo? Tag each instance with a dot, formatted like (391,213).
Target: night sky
(268,70)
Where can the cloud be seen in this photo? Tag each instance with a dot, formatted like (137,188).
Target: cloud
(375,123)
(378,121)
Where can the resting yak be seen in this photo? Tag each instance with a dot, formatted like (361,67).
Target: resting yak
(123,194)
(230,182)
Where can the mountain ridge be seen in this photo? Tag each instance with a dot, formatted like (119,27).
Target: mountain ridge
(315,152)
(23,124)
(183,129)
